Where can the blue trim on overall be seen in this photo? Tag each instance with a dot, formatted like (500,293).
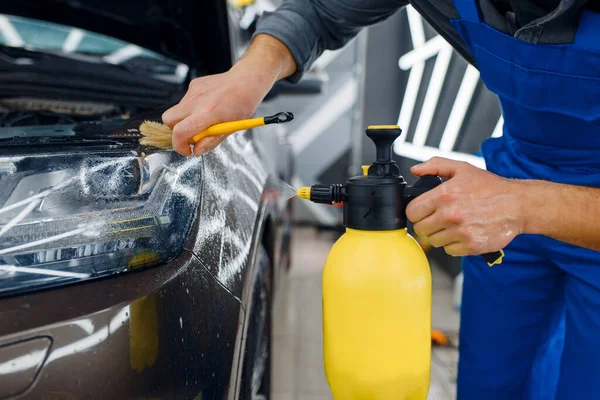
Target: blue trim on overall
(529,327)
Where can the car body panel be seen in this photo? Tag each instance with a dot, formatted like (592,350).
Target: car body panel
(233,184)
(204,285)
(191,310)
(175,330)
(152,334)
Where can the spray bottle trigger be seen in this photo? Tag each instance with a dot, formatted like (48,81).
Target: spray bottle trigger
(429,182)
(494,257)
(424,184)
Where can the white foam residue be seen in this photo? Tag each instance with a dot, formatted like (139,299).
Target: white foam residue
(234,180)
(177,185)
(257,178)
(242,244)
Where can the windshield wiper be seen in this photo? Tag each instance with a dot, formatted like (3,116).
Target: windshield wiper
(137,64)
(25,72)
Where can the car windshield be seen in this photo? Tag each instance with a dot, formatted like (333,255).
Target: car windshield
(36,35)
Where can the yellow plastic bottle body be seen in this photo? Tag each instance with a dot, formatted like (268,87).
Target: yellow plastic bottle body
(377,317)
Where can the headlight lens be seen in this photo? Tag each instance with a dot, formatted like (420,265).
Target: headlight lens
(68,217)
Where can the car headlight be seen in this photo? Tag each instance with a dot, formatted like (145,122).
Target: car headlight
(71,216)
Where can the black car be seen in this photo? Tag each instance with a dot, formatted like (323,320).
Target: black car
(130,272)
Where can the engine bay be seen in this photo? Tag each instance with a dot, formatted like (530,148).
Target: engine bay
(27,111)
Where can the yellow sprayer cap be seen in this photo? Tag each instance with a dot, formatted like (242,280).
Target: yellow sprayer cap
(376,127)
(304,192)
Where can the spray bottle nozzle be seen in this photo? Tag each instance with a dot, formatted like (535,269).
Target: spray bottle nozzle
(324,194)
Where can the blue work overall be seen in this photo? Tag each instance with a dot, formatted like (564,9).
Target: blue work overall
(530,327)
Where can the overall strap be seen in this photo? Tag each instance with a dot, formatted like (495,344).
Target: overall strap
(588,33)
(468,10)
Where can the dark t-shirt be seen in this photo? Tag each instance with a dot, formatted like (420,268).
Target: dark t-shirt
(527,10)
(511,15)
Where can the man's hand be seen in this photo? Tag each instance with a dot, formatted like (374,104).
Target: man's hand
(230,96)
(211,100)
(474,212)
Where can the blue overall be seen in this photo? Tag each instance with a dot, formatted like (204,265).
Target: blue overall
(530,327)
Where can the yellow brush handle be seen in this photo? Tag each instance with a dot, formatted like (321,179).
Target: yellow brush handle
(227,128)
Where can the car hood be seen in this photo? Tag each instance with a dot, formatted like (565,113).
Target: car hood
(194,32)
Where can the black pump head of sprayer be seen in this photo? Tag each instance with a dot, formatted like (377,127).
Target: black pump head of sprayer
(384,136)
(376,200)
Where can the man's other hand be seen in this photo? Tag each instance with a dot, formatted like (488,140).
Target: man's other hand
(472,213)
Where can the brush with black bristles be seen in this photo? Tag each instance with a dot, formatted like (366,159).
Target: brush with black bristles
(159,135)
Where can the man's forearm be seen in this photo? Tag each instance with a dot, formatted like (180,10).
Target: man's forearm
(567,213)
(267,59)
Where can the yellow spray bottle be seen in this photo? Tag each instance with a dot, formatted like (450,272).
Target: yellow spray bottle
(376,285)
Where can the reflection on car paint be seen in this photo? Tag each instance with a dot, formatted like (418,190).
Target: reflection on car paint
(86,324)
(12,355)
(92,340)
(27,361)
(143,333)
